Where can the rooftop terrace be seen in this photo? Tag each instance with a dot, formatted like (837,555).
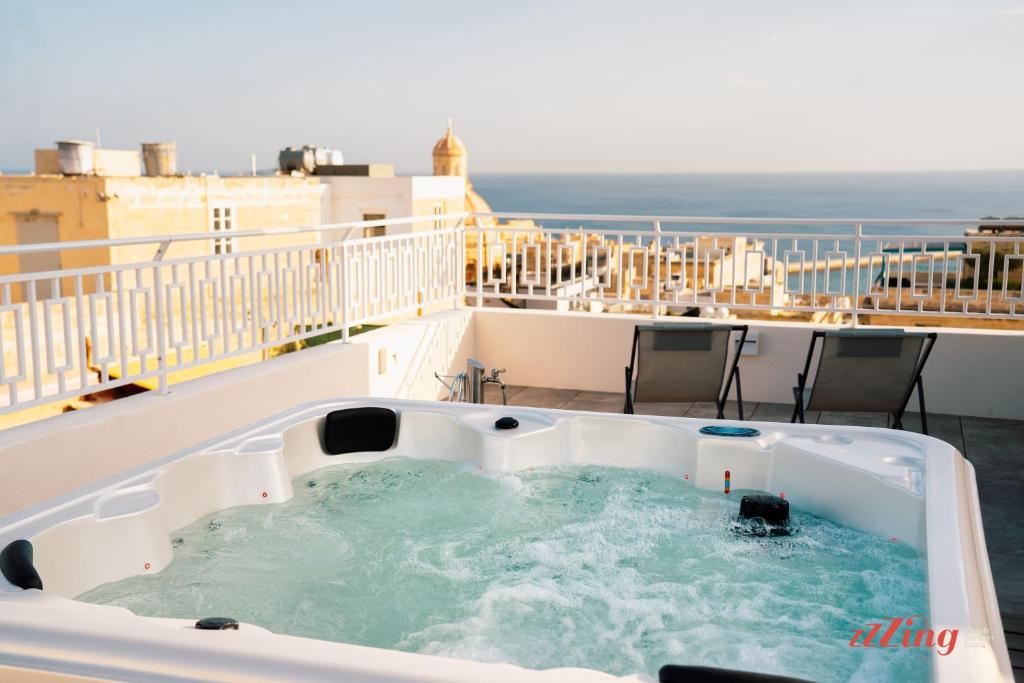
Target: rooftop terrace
(166,322)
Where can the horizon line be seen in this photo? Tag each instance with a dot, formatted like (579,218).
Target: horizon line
(264,171)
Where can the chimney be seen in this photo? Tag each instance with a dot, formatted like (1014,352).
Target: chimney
(161,158)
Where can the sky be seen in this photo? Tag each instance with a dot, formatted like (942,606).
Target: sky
(603,87)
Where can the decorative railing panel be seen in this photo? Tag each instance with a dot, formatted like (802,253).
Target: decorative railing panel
(83,331)
(673,265)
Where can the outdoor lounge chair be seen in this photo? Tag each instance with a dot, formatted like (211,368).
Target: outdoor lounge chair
(683,364)
(867,370)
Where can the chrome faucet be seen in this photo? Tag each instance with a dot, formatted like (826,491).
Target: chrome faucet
(468,386)
(495,379)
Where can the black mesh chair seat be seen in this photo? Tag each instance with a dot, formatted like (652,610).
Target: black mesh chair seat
(684,364)
(865,370)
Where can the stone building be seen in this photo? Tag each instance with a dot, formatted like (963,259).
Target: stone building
(115,201)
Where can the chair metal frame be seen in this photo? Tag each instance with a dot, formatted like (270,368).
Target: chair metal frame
(734,372)
(897,416)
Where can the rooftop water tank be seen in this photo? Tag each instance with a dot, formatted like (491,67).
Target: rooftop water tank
(321,156)
(160,158)
(302,160)
(76,157)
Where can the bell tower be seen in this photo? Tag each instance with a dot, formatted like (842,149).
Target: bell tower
(450,155)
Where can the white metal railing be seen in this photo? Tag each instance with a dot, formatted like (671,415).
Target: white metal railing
(662,264)
(77,331)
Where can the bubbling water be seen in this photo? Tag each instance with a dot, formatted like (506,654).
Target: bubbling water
(619,570)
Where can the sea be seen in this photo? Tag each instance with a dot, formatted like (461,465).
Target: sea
(939,194)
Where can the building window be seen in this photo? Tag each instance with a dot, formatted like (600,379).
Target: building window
(222,220)
(375,230)
(439,210)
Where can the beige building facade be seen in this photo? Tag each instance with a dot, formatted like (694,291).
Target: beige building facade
(54,208)
(115,201)
(366,198)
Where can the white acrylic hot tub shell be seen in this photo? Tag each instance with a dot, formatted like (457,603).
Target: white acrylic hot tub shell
(895,484)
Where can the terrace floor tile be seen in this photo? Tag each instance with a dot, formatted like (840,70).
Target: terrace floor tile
(1008,574)
(492,394)
(538,397)
(709,411)
(995,448)
(663,409)
(946,427)
(849,418)
(596,401)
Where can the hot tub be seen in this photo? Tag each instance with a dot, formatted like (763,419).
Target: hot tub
(894,511)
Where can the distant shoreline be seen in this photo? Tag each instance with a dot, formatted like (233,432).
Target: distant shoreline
(745,173)
(532,174)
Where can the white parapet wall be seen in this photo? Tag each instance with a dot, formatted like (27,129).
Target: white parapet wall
(971,372)
(978,373)
(57,455)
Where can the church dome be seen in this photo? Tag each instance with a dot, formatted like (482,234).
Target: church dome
(449,145)
(450,155)
(476,203)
